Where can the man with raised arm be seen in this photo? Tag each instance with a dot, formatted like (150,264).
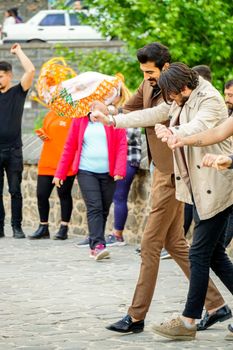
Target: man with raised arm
(12,99)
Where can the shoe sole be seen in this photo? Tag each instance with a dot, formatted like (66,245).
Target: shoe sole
(59,238)
(116,244)
(81,245)
(103,255)
(34,239)
(139,330)
(174,337)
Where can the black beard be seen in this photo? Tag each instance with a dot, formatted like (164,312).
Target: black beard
(183,101)
(229,105)
(153,81)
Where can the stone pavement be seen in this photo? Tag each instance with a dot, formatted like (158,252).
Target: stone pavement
(54,297)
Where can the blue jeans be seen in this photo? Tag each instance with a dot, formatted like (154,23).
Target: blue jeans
(121,196)
(207,251)
(97,191)
(11,161)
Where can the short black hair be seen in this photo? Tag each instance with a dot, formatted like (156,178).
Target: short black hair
(154,52)
(14,11)
(228,84)
(5,66)
(204,71)
(175,78)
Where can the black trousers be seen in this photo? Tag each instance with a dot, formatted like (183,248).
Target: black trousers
(97,191)
(188,217)
(44,189)
(207,251)
(229,229)
(11,162)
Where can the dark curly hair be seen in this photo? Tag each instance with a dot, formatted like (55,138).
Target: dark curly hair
(228,84)
(176,78)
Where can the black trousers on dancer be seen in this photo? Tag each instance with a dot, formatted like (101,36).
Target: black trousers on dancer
(44,189)
(97,191)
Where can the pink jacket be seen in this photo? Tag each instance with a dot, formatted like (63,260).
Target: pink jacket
(70,158)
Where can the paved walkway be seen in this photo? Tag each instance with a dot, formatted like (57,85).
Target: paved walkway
(54,297)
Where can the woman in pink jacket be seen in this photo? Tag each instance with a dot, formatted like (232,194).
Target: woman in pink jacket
(98,154)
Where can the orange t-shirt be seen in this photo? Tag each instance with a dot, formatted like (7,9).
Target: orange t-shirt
(55,128)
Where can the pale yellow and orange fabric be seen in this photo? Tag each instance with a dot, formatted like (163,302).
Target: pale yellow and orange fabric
(71,95)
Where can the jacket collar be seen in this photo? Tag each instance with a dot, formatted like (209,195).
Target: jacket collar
(196,92)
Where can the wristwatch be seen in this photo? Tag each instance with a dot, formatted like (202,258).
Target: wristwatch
(111,120)
(111,109)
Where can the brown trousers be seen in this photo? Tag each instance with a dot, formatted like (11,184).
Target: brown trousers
(164,228)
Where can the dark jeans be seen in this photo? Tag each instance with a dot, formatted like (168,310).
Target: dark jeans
(188,217)
(229,229)
(11,161)
(44,189)
(121,196)
(207,251)
(97,191)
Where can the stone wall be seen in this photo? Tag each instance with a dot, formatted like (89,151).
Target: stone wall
(138,205)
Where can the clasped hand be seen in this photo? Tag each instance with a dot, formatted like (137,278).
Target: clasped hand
(166,135)
(99,112)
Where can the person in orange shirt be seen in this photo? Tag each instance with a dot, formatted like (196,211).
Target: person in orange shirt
(53,133)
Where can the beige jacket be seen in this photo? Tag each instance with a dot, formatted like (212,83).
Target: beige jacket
(205,108)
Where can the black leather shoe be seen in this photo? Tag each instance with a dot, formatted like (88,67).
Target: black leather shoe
(41,233)
(222,314)
(18,232)
(62,233)
(126,325)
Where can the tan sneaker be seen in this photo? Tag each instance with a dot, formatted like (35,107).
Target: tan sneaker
(229,335)
(175,329)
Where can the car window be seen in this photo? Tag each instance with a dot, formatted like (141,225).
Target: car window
(74,21)
(53,20)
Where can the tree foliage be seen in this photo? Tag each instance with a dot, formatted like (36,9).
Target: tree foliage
(196,31)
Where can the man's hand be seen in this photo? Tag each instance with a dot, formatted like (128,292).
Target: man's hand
(29,69)
(219,162)
(97,116)
(99,106)
(58,182)
(118,177)
(162,132)
(174,142)
(15,49)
